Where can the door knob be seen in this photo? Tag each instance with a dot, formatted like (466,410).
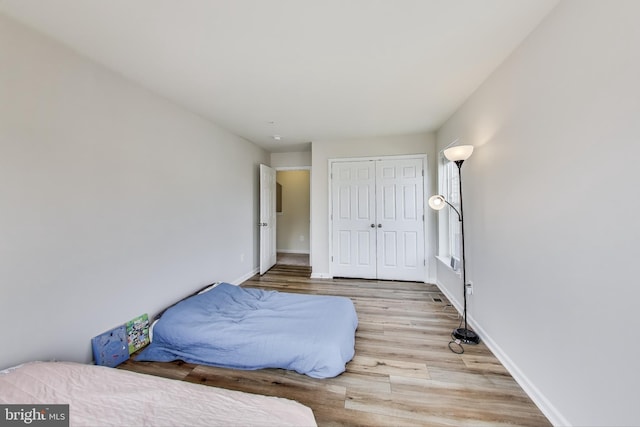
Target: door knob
(373,226)
(379,225)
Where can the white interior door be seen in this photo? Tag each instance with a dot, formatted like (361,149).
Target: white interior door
(267,222)
(377,217)
(400,217)
(353,219)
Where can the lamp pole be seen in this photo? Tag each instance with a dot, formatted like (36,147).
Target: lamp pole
(458,155)
(463,334)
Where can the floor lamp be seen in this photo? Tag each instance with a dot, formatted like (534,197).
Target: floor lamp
(458,155)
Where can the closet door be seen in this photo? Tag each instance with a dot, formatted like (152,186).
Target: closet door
(400,220)
(377,217)
(353,219)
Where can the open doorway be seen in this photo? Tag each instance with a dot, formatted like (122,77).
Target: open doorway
(293,216)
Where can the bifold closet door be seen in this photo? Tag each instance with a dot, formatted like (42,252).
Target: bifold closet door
(378,219)
(400,220)
(353,219)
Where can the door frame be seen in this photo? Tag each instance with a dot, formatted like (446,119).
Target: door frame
(303,168)
(425,163)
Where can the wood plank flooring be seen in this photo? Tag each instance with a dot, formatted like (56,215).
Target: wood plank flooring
(403,373)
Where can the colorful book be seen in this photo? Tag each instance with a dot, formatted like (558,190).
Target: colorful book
(138,333)
(110,348)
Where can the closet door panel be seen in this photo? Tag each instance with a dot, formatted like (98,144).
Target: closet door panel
(400,209)
(353,213)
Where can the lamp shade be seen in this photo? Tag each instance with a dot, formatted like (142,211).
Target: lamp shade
(437,202)
(460,152)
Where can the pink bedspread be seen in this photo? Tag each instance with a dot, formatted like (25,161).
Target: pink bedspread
(101,396)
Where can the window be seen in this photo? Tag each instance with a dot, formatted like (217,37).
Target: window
(452,228)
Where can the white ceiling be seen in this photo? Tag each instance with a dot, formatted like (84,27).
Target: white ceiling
(308,70)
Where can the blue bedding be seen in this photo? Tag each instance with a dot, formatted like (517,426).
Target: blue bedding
(247,328)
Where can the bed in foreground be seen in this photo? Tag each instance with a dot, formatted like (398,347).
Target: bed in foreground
(101,396)
(247,328)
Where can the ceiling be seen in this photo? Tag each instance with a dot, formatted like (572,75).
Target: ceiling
(307,70)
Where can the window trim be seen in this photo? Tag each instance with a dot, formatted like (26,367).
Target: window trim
(450,232)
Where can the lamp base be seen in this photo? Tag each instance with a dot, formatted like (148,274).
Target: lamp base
(466,336)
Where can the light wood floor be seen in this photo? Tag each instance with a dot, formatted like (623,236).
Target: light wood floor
(403,373)
(284,258)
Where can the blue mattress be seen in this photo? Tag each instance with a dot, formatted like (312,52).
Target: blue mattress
(248,328)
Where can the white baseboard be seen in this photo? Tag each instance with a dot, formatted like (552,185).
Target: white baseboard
(431,279)
(246,276)
(451,299)
(539,399)
(321,276)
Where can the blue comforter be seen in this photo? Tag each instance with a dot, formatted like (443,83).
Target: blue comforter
(247,328)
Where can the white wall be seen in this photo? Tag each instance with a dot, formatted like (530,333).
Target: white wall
(323,151)
(291,159)
(551,200)
(113,201)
